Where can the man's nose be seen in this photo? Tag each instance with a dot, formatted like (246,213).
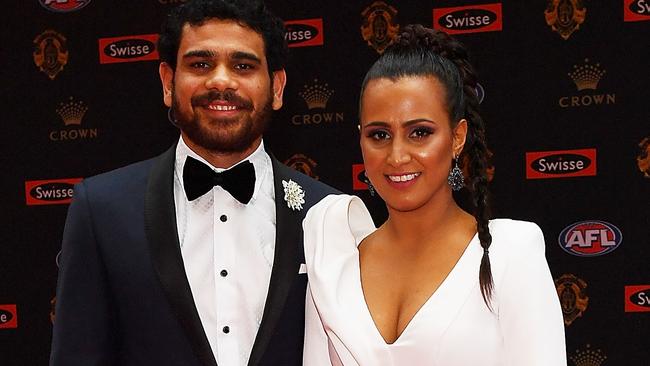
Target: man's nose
(221,78)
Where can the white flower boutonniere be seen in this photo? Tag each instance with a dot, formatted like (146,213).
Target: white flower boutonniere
(293,195)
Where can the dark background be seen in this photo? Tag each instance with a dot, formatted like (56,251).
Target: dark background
(523,69)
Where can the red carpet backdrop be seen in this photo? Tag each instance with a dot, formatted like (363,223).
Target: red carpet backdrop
(564,87)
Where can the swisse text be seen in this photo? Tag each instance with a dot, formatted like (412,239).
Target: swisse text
(5,316)
(641,7)
(8,316)
(560,164)
(641,298)
(50,192)
(53,192)
(469,19)
(129,48)
(300,32)
(304,32)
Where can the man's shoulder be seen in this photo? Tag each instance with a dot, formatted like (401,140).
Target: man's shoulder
(123,179)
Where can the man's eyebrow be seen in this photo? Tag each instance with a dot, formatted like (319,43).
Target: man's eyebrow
(199,53)
(241,55)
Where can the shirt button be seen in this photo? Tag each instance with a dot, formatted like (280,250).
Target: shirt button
(224,273)
(226,329)
(223,218)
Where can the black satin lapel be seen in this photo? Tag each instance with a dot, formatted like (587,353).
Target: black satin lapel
(286,263)
(162,235)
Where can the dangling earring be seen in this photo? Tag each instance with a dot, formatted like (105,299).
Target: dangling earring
(455,177)
(371,188)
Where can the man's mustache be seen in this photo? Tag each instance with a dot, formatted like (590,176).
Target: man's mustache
(226,96)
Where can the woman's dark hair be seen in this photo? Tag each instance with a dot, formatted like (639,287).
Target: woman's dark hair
(419,51)
(249,13)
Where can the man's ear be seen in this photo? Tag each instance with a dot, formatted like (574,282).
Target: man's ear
(279,81)
(167,79)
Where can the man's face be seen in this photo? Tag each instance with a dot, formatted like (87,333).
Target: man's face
(221,92)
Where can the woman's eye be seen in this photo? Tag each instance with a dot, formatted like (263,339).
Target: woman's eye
(421,132)
(379,135)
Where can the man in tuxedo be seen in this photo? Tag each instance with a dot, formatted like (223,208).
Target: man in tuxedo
(194,257)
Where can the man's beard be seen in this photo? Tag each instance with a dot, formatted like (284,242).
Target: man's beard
(218,135)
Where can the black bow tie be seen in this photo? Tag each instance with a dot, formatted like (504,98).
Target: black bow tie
(199,179)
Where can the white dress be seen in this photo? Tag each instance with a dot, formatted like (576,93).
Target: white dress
(454,327)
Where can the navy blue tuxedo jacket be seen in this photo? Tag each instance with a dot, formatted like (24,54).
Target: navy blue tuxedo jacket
(122,295)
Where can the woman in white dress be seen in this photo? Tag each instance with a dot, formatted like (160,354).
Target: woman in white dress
(434,285)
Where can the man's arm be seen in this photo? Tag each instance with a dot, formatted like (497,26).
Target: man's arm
(83,328)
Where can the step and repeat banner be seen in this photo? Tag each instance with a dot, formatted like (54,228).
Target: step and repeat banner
(564,89)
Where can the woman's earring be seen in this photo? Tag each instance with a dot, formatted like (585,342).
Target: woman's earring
(455,177)
(371,188)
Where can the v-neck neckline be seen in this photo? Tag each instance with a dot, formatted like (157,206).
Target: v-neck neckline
(450,277)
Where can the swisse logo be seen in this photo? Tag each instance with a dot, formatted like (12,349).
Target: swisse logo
(304,33)
(561,164)
(637,298)
(63,6)
(636,10)
(590,238)
(359,179)
(8,316)
(128,49)
(50,192)
(469,19)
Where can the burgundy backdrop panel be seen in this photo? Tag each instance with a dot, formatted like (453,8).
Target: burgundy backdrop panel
(565,98)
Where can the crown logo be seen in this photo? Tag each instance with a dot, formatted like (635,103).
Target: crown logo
(586,76)
(316,95)
(588,357)
(72,112)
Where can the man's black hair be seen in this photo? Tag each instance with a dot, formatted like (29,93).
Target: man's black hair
(250,13)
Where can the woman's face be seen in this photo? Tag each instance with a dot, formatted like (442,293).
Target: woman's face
(407,141)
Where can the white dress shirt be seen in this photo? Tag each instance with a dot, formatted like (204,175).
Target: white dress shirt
(227,250)
(453,327)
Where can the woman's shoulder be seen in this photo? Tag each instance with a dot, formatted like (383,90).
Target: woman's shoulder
(338,215)
(512,234)
(335,225)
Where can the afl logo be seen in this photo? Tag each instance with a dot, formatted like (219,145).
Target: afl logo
(590,238)
(468,19)
(64,6)
(303,33)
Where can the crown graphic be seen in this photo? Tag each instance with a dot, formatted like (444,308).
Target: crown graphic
(316,95)
(586,76)
(588,357)
(71,112)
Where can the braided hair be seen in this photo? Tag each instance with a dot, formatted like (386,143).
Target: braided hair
(419,51)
